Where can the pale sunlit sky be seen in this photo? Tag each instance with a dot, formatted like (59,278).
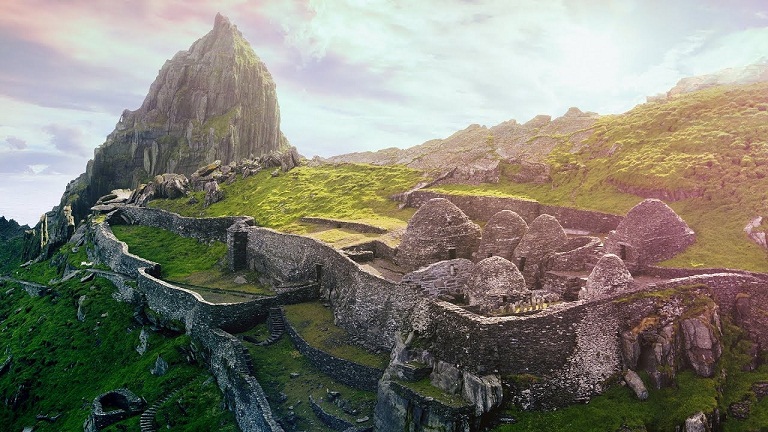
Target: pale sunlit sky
(351,75)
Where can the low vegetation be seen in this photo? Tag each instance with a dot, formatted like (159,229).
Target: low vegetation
(288,378)
(59,364)
(707,148)
(314,322)
(185,260)
(348,192)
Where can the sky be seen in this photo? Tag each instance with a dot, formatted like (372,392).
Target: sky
(351,75)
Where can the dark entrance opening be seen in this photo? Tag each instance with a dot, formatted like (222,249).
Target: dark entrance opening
(452,253)
(623,252)
(521,264)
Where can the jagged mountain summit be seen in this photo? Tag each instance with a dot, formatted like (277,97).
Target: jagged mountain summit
(215,101)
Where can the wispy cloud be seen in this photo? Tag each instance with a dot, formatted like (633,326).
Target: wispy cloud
(14,143)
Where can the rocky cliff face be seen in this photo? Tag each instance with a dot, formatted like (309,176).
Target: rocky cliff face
(215,101)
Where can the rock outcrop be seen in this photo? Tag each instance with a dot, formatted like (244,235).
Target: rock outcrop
(215,101)
(438,231)
(544,236)
(651,232)
(701,339)
(501,235)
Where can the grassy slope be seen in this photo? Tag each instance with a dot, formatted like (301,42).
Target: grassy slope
(352,192)
(183,259)
(67,363)
(715,140)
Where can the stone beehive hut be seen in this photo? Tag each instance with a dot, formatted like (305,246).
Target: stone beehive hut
(651,232)
(495,282)
(501,235)
(437,231)
(609,276)
(544,237)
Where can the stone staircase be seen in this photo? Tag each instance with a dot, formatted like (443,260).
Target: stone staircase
(276,328)
(147,419)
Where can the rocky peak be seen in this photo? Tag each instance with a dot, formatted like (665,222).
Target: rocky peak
(214,101)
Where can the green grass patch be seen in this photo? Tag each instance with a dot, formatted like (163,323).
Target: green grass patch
(350,192)
(61,364)
(187,261)
(314,322)
(275,364)
(425,388)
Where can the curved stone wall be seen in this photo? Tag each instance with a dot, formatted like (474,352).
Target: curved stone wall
(203,229)
(113,253)
(344,371)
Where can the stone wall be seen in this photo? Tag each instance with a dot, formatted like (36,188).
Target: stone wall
(244,396)
(192,309)
(369,307)
(336,223)
(344,371)
(203,229)
(579,254)
(441,278)
(110,251)
(482,208)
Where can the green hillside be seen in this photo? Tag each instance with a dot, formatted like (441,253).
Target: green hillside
(709,147)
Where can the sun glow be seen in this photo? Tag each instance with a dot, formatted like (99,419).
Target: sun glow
(589,59)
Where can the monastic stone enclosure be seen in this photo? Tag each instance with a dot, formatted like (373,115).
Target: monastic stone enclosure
(437,231)
(495,282)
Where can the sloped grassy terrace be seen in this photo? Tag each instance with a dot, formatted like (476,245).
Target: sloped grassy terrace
(193,264)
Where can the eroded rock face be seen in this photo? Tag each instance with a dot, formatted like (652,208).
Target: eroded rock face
(701,338)
(438,231)
(213,193)
(544,236)
(651,232)
(609,276)
(494,283)
(501,235)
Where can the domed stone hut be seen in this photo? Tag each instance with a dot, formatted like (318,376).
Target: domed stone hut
(495,282)
(651,232)
(610,275)
(438,231)
(544,237)
(501,235)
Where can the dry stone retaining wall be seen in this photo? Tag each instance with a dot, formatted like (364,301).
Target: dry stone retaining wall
(344,371)
(114,253)
(202,229)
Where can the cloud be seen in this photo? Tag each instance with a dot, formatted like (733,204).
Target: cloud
(67,139)
(14,143)
(36,161)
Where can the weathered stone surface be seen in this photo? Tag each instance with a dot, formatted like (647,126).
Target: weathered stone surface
(651,232)
(81,308)
(634,382)
(698,423)
(160,368)
(608,277)
(437,231)
(442,278)
(446,377)
(485,393)
(495,282)
(501,235)
(544,236)
(214,101)
(213,193)
(399,408)
(124,404)
(740,410)
(701,338)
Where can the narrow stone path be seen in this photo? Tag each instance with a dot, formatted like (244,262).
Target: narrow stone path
(147,420)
